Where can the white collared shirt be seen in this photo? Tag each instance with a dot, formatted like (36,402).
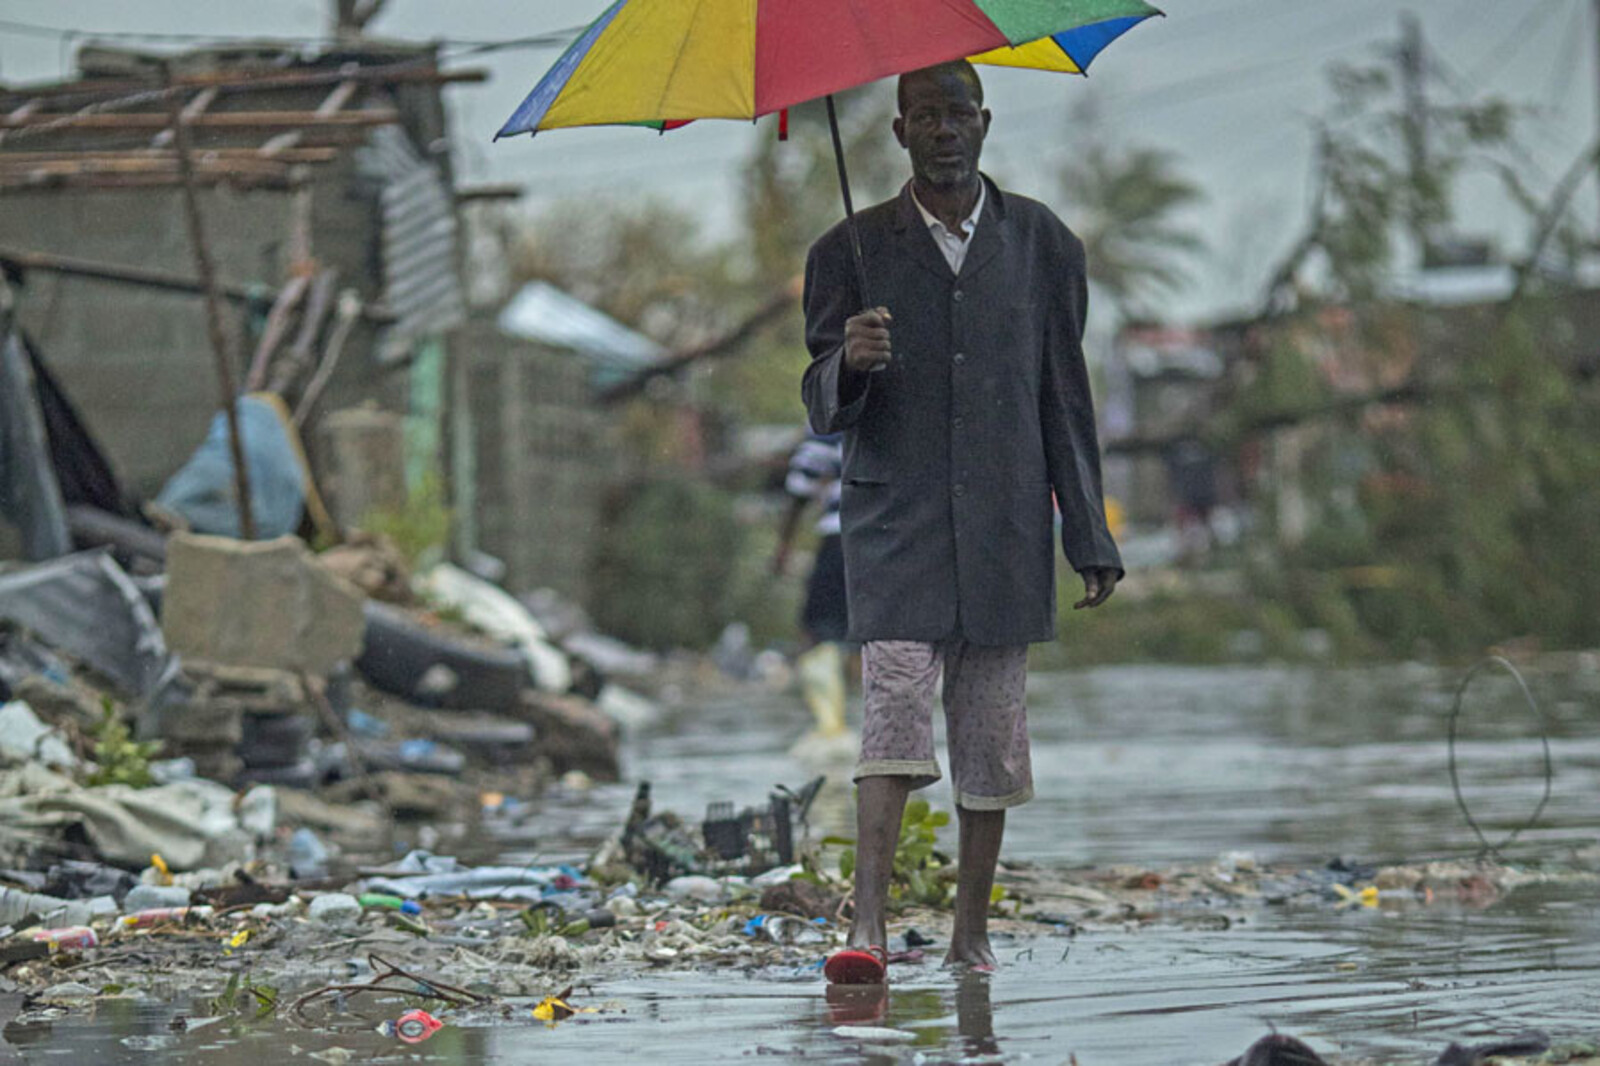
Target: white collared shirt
(953,245)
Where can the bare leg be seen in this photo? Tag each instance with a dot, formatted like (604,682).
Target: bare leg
(880,804)
(981,832)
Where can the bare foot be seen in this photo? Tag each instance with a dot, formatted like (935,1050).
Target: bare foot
(971,952)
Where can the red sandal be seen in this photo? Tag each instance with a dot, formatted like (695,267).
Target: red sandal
(857,966)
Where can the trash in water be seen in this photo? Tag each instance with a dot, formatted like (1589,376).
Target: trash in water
(1363,897)
(757,839)
(872,1034)
(556,1008)
(412,1027)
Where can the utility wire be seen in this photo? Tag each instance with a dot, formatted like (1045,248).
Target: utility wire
(1520,35)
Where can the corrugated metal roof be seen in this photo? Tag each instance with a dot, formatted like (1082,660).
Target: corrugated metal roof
(542,313)
(421,281)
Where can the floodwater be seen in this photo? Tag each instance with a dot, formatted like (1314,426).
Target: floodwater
(1133,765)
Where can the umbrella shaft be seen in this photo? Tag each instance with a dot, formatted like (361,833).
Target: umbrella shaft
(849,209)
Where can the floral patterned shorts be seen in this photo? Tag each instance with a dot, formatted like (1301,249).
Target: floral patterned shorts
(986,723)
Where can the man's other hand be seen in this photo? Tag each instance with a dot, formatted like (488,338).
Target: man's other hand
(1099,583)
(866,340)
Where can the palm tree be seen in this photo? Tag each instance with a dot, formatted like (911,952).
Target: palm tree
(1123,204)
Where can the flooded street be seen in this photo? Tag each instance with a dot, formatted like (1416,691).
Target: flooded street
(1170,764)
(1143,767)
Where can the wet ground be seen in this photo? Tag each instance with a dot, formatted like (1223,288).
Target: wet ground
(1139,767)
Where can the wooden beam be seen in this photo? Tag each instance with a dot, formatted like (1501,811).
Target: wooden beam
(69,167)
(13,182)
(400,72)
(275,329)
(106,163)
(157,279)
(281,144)
(214,120)
(340,96)
(194,107)
(24,160)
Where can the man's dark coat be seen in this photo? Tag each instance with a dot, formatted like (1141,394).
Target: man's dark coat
(952,451)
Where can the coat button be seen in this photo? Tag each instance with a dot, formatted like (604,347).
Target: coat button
(960,490)
(958,423)
(961,357)
(959,296)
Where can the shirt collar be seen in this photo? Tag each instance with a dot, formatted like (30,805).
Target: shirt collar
(969,224)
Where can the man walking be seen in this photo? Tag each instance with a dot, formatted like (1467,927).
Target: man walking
(964,401)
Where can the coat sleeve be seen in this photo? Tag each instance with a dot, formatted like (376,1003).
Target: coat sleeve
(1066,416)
(834,395)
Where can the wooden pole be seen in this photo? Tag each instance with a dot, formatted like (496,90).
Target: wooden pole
(214,322)
(1413,80)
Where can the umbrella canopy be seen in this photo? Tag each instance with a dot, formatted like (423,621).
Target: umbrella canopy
(665,62)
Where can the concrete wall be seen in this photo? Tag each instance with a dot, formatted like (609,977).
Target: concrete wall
(135,360)
(138,361)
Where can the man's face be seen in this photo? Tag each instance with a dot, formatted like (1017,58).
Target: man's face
(943,127)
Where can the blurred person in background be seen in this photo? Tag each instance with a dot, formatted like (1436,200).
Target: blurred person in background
(813,479)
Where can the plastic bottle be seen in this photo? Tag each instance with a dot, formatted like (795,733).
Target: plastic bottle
(387,902)
(67,938)
(158,915)
(16,904)
(308,856)
(149,897)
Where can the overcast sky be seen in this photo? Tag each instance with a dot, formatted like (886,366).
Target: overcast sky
(1227,85)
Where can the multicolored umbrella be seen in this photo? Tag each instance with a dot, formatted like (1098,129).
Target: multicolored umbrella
(662,63)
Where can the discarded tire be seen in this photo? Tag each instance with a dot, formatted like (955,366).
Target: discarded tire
(433,669)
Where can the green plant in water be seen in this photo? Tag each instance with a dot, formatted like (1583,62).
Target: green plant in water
(243,992)
(121,759)
(913,877)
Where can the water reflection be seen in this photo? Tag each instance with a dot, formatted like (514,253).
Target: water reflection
(957,1020)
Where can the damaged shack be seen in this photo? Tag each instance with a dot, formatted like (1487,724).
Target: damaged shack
(331,222)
